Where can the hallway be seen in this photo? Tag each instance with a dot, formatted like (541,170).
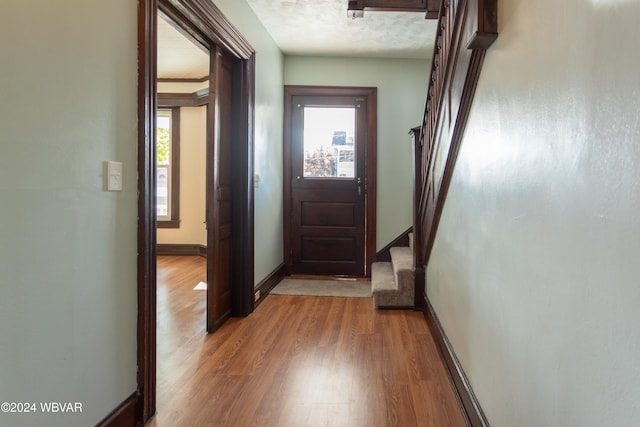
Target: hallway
(296,361)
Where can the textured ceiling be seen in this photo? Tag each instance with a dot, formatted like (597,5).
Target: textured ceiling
(311,28)
(322,27)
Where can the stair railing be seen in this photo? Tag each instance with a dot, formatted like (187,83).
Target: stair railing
(466,29)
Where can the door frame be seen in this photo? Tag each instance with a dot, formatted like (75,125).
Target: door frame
(204,21)
(371,95)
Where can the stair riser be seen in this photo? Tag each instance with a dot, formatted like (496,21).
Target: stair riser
(393,284)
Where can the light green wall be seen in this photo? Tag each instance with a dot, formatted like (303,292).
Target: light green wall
(268,136)
(68,248)
(535,272)
(402,88)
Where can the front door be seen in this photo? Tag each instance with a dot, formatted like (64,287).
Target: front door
(328,184)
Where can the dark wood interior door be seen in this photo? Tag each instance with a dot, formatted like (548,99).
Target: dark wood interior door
(219,191)
(328,177)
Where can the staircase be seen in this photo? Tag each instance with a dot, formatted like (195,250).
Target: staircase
(393,283)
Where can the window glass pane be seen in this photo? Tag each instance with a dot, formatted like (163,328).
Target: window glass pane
(163,137)
(162,191)
(163,164)
(329,135)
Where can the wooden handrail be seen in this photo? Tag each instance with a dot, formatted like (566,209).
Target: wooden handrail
(466,30)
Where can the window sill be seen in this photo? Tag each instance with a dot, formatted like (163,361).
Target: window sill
(174,223)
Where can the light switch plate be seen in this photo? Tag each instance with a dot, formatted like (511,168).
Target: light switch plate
(114,176)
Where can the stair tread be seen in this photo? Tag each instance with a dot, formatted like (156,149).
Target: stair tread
(402,258)
(382,277)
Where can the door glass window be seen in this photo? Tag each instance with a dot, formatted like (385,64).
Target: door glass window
(329,142)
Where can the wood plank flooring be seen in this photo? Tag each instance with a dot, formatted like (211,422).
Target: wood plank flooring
(295,361)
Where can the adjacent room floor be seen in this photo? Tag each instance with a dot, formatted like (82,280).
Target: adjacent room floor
(296,361)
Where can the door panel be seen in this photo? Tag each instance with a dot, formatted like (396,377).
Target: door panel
(219,193)
(328,141)
(326,214)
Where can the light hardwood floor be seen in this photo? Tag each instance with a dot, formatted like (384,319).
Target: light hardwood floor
(295,361)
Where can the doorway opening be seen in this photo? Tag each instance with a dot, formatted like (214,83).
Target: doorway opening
(229,194)
(183,69)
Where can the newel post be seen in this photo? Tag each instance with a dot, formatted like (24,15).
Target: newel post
(418,263)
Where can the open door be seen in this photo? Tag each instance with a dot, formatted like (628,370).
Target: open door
(219,190)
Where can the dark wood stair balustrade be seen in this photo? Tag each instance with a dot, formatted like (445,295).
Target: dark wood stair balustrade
(467,29)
